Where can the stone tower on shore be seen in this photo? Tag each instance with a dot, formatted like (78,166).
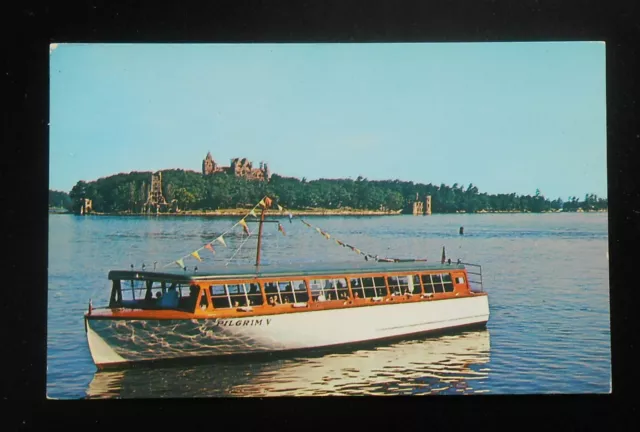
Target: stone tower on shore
(155,198)
(422,208)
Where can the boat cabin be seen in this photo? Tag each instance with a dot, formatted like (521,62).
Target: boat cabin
(230,290)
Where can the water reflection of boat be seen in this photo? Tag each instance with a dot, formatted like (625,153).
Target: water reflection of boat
(448,364)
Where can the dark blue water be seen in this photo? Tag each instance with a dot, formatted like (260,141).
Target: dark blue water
(546,275)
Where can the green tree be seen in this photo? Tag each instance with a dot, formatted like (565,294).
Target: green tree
(185,198)
(394,201)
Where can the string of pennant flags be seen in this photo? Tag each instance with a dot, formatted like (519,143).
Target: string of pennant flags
(367,256)
(325,234)
(265,203)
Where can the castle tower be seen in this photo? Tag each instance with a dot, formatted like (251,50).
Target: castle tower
(265,170)
(428,205)
(86,207)
(208,164)
(417,206)
(233,163)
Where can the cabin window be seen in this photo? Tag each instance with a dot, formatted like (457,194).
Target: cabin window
(448,284)
(147,294)
(189,301)
(293,291)
(374,287)
(416,287)
(171,296)
(380,286)
(286,292)
(357,288)
(219,296)
(459,280)
(399,284)
(272,293)
(238,295)
(427,284)
(369,288)
(329,289)
(255,295)
(133,290)
(437,283)
(300,291)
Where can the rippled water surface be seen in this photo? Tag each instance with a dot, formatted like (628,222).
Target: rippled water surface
(546,275)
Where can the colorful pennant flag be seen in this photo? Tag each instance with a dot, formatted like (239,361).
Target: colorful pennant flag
(280,207)
(267,201)
(262,204)
(196,256)
(244,225)
(221,240)
(210,247)
(281,229)
(253,213)
(180,262)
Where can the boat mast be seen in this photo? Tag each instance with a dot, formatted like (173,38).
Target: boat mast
(260,235)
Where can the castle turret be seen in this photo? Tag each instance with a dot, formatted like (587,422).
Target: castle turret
(265,170)
(208,164)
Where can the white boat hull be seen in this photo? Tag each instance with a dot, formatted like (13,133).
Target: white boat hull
(115,342)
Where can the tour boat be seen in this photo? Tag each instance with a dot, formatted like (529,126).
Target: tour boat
(272,308)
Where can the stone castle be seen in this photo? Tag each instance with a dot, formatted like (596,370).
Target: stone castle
(238,168)
(420,208)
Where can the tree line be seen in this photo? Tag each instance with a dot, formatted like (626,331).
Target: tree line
(59,199)
(190,190)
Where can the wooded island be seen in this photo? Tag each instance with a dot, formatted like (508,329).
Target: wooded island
(189,192)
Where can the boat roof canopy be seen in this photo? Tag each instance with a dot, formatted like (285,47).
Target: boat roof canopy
(280,270)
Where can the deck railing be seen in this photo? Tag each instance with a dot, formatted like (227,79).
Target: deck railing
(475,276)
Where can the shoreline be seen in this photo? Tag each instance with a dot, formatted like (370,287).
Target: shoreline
(244,212)
(311,212)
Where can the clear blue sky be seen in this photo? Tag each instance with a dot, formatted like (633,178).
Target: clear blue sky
(507,117)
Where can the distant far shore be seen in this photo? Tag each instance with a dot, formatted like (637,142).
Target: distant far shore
(244,212)
(309,212)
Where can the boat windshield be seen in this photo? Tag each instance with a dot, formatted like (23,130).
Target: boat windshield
(153,294)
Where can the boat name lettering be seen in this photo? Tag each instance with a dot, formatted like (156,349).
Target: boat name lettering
(243,322)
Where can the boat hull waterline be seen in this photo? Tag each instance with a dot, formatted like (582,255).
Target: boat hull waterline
(121,342)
